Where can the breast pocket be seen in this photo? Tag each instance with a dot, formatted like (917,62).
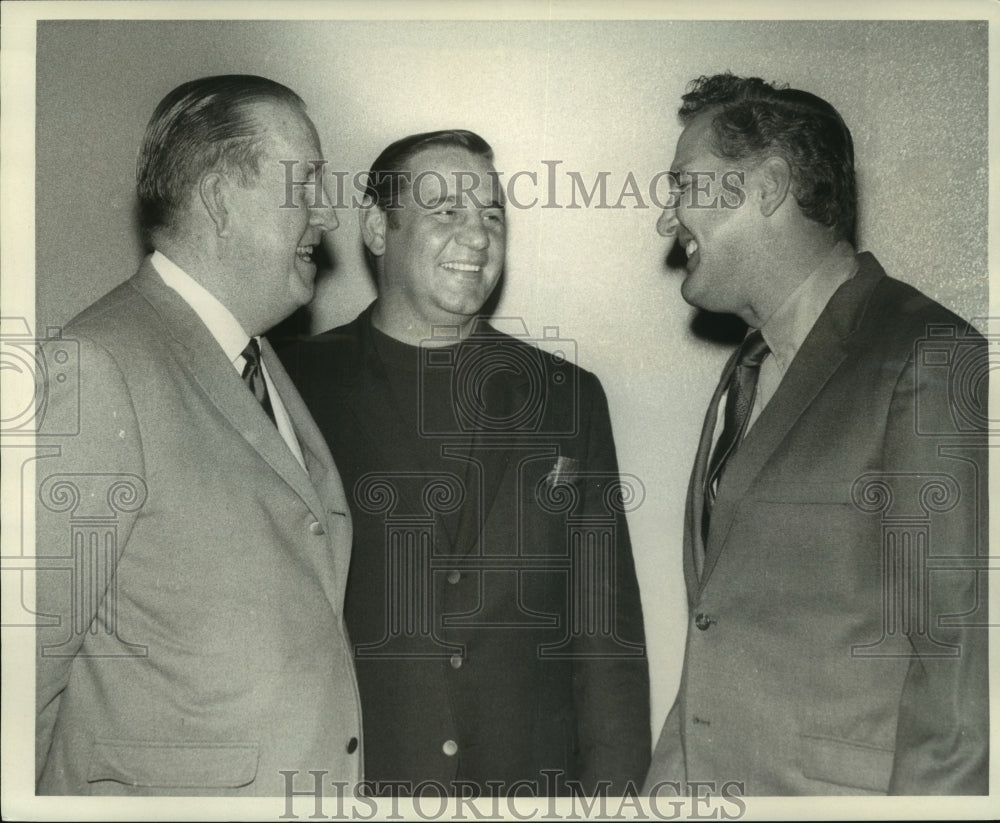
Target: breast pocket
(790,491)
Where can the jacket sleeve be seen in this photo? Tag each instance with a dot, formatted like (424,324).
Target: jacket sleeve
(610,670)
(89,467)
(936,444)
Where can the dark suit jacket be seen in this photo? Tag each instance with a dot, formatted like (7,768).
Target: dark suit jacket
(514,642)
(191,596)
(836,642)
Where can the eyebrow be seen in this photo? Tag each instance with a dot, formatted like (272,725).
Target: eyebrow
(467,197)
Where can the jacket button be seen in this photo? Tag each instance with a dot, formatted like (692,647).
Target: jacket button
(454,576)
(702,621)
(316,528)
(450,748)
(352,745)
(456,661)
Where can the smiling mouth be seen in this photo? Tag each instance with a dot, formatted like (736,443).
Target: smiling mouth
(305,253)
(455,265)
(687,244)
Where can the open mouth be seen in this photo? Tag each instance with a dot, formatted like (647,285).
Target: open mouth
(687,244)
(455,265)
(305,253)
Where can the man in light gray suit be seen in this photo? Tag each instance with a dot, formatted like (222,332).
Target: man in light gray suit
(835,543)
(193,527)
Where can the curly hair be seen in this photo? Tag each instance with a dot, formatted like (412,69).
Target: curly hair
(753,118)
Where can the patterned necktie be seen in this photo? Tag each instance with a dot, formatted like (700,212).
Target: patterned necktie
(739,404)
(253,376)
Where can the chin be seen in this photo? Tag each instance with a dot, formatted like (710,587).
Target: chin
(697,295)
(303,291)
(464,307)
(690,293)
(460,316)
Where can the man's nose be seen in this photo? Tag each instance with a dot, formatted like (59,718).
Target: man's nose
(322,215)
(473,233)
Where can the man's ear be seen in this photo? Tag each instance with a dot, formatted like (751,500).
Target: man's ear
(213,191)
(775,180)
(373,225)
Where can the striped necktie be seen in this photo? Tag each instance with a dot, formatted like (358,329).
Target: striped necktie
(739,404)
(253,376)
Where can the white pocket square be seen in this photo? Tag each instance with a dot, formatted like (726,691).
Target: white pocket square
(564,470)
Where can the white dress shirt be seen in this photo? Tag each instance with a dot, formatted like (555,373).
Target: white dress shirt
(787,328)
(228,333)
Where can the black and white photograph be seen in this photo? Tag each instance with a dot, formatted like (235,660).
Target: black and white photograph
(453,410)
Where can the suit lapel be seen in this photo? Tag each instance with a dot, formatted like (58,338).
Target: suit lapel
(497,453)
(505,395)
(694,548)
(821,354)
(322,473)
(197,351)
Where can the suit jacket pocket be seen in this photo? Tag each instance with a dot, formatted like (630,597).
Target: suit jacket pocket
(830,493)
(173,765)
(846,763)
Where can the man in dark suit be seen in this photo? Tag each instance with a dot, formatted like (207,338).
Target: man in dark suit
(835,533)
(492,599)
(193,529)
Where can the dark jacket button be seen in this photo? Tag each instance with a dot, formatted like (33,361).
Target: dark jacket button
(352,745)
(702,621)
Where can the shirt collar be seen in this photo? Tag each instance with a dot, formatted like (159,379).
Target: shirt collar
(225,328)
(786,329)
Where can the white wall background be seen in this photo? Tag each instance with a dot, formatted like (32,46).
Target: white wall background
(597,96)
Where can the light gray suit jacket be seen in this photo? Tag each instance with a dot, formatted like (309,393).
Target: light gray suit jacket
(191,634)
(837,640)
